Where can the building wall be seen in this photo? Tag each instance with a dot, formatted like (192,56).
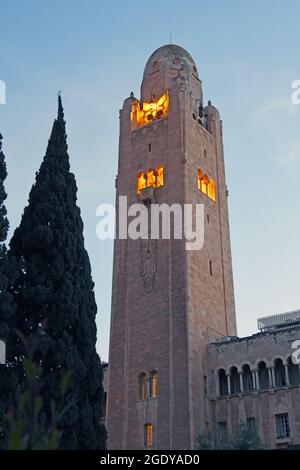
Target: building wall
(262,403)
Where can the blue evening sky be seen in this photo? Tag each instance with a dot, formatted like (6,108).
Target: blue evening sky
(247,55)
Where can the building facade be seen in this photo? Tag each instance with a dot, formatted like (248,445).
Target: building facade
(173,314)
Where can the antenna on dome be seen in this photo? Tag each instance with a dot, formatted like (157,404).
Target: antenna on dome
(170,38)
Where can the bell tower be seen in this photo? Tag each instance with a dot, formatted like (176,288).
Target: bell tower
(168,303)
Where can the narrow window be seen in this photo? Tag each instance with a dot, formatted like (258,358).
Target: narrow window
(211,190)
(210,268)
(235,386)
(263,376)
(293,371)
(149,147)
(200,178)
(222,430)
(223,383)
(282,426)
(247,378)
(150,178)
(279,370)
(205,154)
(251,424)
(205,384)
(141,182)
(154,384)
(143,386)
(159,172)
(208,219)
(148,435)
(205,185)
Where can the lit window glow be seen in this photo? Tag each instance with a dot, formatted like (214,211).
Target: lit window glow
(143,386)
(206,185)
(148,430)
(143,113)
(151,178)
(154,384)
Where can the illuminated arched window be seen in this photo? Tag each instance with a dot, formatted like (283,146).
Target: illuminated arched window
(144,113)
(150,178)
(143,386)
(153,178)
(154,384)
(211,190)
(148,435)
(159,176)
(141,182)
(205,184)
(200,178)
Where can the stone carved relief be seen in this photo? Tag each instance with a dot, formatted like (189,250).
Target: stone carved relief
(148,263)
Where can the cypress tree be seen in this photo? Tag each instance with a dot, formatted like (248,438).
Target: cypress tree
(55,297)
(4,311)
(7,307)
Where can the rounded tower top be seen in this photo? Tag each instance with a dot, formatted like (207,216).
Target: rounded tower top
(170,55)
(166,65)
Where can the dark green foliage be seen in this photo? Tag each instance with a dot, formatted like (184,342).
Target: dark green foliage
(244,439)
(7,307)
(26,429)
(5,300)
(55,297)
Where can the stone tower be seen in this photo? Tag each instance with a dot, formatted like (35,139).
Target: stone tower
(168,303)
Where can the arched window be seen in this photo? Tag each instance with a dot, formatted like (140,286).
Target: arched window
(279,370)
(235,386)
(263,376)
(154,384)
(148,435)
(200,178)
(212,190)
(293,370)
(205,184)
(142,386)
(223,384)
(141,182)
(150,178)
(159,176)
(247,378)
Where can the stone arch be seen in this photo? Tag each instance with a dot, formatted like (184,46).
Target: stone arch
(223,383)
(263,376)
(293,372)
(235,385)
(279,372)
(247,378)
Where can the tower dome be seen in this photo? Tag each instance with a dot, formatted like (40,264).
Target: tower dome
(169,56)
(165,65)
